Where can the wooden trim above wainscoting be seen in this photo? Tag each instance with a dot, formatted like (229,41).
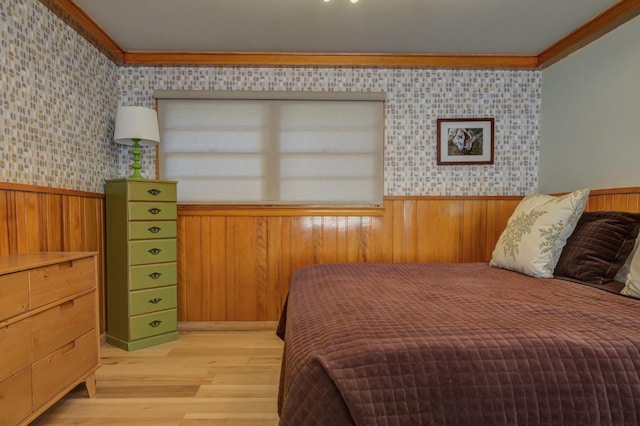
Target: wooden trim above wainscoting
(48,190)
(614,191)
(285,211)
(76,18)
(452,197)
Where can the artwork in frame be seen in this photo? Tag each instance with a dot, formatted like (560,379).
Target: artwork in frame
(465,141)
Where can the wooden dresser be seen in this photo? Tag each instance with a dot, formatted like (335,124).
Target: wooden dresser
(49,331)
(141,263)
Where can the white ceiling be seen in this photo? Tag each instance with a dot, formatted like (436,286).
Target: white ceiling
(509,27)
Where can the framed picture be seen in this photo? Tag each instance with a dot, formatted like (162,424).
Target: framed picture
(465,141)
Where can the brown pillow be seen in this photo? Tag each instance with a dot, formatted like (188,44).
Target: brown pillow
(598,246)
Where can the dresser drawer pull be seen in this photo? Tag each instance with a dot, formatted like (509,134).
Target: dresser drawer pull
(155,275)
(154,191)
(154,251)
(154,229)
(155,323)
(154,210)
(155,300)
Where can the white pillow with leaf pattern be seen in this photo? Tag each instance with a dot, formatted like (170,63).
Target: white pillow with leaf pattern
(632,286)
(537,231)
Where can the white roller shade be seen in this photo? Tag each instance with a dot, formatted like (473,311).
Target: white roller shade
(259,151)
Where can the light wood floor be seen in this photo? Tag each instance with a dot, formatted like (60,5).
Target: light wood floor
(204,378)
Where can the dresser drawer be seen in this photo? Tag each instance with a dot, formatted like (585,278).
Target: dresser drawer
(62,324)
(152,324)
(152,211)
(148,276)
(58,370)
(155,299)
(151,191)
(152,251)
(15,341)
(149,230)
(51,283)
(15,398)
(14,294)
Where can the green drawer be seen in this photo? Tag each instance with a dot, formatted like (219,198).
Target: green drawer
(151,191)
(152,211)
(156,299)
(149,276)
(153,324)
(152,251)
(156,229)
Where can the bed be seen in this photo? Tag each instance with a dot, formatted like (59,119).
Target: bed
(457,344)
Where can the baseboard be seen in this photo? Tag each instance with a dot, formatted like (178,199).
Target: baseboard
(227,326)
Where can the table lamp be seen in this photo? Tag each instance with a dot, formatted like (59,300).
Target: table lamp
(136,126)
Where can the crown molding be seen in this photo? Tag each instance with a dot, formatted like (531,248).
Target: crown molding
(616,15)
(75,17)
(329,59)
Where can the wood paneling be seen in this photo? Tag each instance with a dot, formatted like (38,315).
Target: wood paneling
(34,219)
(236,265)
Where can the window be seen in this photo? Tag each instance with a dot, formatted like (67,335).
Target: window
(291,148)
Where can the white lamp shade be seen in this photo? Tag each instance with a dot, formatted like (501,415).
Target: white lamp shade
(134,122)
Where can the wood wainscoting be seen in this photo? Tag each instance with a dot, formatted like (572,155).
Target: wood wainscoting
(34,219)
(235,263)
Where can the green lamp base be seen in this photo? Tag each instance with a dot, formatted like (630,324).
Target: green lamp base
(136,166)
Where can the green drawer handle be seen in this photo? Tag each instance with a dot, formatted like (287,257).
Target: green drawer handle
(154,251)
(154,191)
(154,210)
(155,323)
(154,229)
(155,300)
(155,275)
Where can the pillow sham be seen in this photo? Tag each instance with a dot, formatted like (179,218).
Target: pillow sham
(537,231)
(621,276)
(599,246)
(632,286)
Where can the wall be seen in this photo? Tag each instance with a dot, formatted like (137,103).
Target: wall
(591,115)
(57,102)
(57,117)
(57,112)
(415,99)
(58,97)
(236,264)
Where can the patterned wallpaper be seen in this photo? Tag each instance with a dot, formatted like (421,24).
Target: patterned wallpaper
(59,94)
(416,98)
(58,97)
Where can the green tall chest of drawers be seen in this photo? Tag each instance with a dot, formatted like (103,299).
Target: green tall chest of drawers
(141,262)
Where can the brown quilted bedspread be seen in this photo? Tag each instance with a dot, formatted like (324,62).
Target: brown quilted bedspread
(464,344)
